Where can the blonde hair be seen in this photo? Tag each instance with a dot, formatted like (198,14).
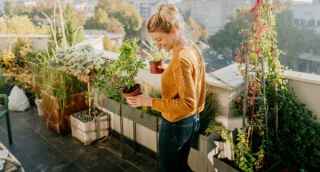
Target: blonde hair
(165,19)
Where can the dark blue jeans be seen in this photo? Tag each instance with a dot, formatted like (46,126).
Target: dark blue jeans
(175,143)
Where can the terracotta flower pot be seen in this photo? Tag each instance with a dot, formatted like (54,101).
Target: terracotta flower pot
(134,91)
(155,67)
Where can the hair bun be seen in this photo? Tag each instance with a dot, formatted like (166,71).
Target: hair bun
(168,11)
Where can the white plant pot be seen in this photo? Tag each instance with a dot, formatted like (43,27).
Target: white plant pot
(88,132)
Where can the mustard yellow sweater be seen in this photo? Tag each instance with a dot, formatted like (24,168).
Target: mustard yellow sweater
(178,86)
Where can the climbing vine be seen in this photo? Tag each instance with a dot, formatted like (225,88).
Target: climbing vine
(260,66)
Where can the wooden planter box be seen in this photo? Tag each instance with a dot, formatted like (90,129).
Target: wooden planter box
(57,119)
(88,132)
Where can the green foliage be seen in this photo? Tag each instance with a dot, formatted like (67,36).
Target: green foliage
(20,25)
(2,82)
(285,129)
(65,28)
(230,37)
(297,142)
(292,40)
(8,8)
(54,82)
(116,15)
(21,50)
(243,152)
(79,60)
(120,73)
(260,54)
(73,28)
(208,115)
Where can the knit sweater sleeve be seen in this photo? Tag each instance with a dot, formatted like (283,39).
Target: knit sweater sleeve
(176,108)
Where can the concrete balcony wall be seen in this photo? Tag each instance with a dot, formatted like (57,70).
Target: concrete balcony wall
(39,42)
(307,88)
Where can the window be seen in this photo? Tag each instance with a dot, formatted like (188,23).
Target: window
(311,23)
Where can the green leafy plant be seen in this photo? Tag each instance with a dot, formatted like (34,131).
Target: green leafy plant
(54,82)
(21,50)
(2,82)
(296,142)
(65,30)
(259,56)
(244,156)
(79,60)
(120,73)
(209,113)
(73,29)
(279,128)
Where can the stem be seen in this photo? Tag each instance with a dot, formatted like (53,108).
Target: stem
(245,102)
(64,40)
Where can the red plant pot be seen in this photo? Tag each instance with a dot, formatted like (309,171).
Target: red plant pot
(134,91)
(155,67)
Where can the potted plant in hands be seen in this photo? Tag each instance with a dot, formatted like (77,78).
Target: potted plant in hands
(155,56)
(117,78)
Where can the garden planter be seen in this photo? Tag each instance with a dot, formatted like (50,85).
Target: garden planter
(140,117)
(113,106)
(57,117)
(147,137)
(106,104)
(221,166)
(155,67)
(90,130)
(205,144)
(38,103)
(135,91)
(199,162)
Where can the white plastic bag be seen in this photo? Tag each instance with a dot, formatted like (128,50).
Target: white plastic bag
(18,101)
(3,154)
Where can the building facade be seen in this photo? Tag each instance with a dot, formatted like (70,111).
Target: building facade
(213,14)
(146,7)
(307,15)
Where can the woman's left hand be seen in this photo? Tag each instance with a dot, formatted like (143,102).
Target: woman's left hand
(139,101)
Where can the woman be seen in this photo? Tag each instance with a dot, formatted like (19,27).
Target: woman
(182,90)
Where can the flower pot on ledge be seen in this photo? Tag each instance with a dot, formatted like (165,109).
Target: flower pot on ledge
(156,67)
